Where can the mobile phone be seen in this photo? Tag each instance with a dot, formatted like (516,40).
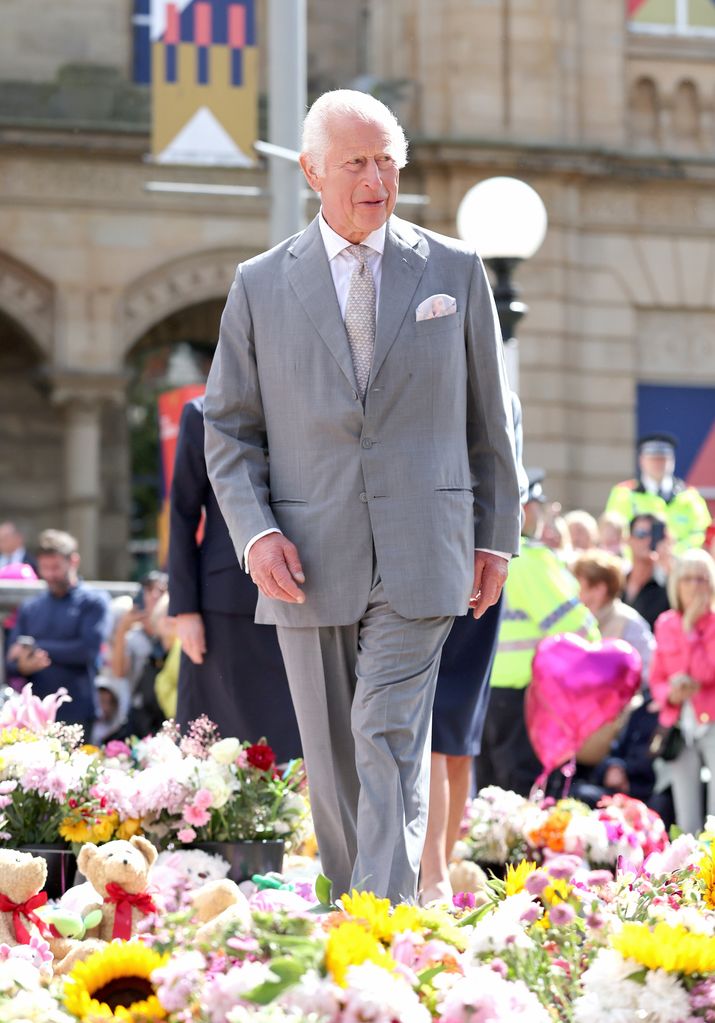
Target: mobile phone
(139,600)
(657,533)
(27,641)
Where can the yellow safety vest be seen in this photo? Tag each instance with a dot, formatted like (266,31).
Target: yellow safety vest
(540,599)
(686,512)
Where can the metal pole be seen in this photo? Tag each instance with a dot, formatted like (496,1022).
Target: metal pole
(510,310)
(287,103)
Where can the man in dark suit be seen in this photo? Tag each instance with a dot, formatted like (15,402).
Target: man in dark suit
(231,669)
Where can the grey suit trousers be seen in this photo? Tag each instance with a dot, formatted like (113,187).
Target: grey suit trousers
(363,697)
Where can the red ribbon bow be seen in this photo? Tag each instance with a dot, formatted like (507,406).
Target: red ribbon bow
(124,902)
(26,909)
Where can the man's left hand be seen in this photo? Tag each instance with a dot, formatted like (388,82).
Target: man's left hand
(490,572)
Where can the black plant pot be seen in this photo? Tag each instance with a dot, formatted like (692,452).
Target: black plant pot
(61,866)
(248,858)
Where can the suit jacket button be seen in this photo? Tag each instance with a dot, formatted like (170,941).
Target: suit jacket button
(355,396)
(363,497)
(367,443)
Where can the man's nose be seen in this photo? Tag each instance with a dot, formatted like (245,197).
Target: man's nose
(373,174)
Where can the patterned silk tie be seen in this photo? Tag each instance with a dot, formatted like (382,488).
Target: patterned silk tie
(360,317)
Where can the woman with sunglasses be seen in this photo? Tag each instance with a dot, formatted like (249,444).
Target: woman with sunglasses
(683,682)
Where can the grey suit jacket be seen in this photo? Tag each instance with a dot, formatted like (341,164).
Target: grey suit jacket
(423,474)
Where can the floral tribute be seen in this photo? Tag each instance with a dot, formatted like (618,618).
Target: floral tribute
(556,942)
(502,827)
(175,790)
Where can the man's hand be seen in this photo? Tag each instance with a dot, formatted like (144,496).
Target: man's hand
(616,778)
(490,572)
(29,661)
(275,568)
(190,630)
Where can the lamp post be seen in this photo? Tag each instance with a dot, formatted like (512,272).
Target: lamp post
(505,220)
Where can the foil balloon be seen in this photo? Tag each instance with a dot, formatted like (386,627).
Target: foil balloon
(576,688)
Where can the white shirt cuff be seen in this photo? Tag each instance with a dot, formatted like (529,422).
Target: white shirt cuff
(247,549)
(499,554)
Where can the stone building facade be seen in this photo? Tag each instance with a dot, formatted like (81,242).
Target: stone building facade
(614,128)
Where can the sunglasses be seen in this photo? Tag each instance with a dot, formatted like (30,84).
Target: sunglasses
(641,534)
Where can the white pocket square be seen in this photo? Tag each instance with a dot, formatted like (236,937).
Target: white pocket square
(435,306)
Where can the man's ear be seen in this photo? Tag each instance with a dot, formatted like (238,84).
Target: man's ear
(307,165)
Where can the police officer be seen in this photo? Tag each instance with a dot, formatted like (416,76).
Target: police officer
(540,599)
(657,491)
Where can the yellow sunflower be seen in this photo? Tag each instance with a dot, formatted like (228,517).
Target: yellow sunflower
(706,874)
(350,944)
(516,876)
(666,947)
(378,915)
(113,985)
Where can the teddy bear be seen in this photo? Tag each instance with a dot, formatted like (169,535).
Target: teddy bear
(175,874)
(217,906)
(119,873)
(23,905)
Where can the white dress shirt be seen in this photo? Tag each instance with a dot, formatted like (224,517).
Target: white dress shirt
(342,263)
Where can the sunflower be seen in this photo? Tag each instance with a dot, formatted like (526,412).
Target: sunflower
(113,985)
(350,944)
(666,947)
(706,874)
(378,915)
(516,876)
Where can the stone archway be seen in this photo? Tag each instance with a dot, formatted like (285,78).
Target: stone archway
(28,299)
(154,297)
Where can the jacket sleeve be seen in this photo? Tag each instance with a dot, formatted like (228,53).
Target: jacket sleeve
(661,667)
(490,429)
(234,425)
(702,654)
(85,647)
(188,497)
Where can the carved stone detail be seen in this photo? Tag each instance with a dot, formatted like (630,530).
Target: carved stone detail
(174,287)
(28,299)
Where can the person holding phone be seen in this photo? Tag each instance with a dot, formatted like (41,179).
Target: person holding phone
(650,550)
(656,490)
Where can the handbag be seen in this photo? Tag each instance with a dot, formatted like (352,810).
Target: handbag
(667,742)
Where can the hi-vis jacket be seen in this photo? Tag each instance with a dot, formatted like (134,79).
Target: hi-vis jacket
(540,599)
(686,512)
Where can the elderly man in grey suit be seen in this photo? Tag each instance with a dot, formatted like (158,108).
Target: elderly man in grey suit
(361,449)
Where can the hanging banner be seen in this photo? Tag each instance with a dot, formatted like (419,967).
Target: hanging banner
(204,74)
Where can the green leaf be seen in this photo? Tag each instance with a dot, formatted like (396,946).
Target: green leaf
(93,919)
(324,890)
(288,971)
(427,975)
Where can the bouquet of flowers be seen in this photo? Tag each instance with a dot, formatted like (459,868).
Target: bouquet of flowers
(503,827)
(42,762)
(201,788)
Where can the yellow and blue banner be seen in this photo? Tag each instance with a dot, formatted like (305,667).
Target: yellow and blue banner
(204,77)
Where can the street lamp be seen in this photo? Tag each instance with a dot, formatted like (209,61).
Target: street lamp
(505,220)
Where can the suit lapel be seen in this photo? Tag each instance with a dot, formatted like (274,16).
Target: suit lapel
(403,263)
(312,282)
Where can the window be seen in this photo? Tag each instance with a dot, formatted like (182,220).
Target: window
(672,17)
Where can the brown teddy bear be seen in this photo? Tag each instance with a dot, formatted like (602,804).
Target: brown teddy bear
(22,903)
(218,905)
(119,872)
(22,879)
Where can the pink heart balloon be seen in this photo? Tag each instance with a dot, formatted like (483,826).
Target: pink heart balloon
(576,688)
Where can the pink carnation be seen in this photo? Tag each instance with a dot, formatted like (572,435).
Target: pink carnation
(203,799)
(196,816)
(186,835)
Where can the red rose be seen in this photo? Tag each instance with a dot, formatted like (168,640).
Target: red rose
(261,755)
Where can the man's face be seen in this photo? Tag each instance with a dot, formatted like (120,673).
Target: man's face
(640,539)
(10,539)
(656,466)
(58,572)
(358,184)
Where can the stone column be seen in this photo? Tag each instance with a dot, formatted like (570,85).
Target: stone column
(79,397)
(81,478)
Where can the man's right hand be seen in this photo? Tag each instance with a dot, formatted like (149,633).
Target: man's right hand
(191,633)
(275,568)
(29,661)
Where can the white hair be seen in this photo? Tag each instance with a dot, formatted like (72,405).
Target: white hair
(346,102)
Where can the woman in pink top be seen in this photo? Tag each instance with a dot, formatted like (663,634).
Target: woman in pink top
(682,680)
